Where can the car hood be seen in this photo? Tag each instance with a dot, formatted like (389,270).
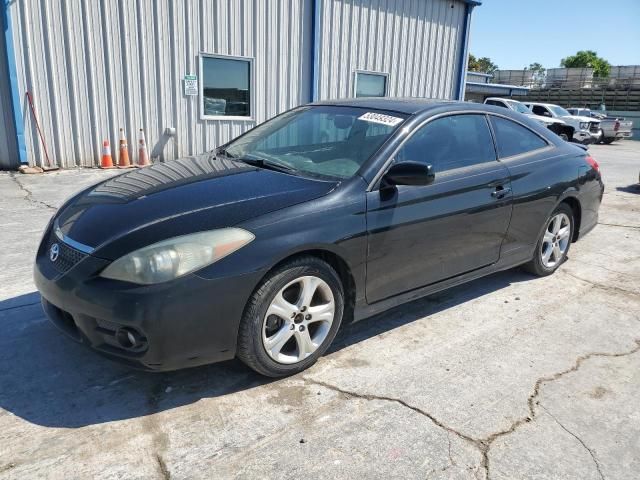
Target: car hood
(582,119)
(547,120)
(175,198)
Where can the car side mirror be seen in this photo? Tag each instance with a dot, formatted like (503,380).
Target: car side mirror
(546,114)
(409,173)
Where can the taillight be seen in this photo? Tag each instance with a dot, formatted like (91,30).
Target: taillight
(616,126)
(592,161)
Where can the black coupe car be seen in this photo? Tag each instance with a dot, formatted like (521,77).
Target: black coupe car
(330,212)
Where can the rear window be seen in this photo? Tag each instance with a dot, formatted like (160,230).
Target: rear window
(514,139)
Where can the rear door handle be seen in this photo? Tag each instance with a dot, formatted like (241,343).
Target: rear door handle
(501,192)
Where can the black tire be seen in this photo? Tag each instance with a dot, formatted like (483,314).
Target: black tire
(608,140)
(251,350)
(536,265)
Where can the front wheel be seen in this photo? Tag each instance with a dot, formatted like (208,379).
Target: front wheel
(553,246)
(291,318)
(608,141)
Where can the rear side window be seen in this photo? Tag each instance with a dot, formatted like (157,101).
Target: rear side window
(451,142)
(514,139)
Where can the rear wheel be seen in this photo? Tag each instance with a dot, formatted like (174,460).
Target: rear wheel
(292,318)
(553,245)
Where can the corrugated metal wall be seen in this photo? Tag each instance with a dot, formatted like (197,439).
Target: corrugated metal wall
(417,42)
(95,66)
(8,147)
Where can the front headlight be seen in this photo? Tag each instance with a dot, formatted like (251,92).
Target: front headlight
(584,125)
(177,256)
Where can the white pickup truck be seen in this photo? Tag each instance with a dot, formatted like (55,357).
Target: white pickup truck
(556,125)
(613,128)
(587,129)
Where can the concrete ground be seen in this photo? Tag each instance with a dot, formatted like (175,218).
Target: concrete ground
(507,377)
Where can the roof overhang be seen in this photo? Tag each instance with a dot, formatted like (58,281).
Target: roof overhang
(496,89)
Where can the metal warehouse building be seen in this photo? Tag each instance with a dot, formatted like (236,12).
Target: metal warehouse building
(195,73)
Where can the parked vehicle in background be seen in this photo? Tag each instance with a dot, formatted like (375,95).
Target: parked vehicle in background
(587,129)
(557,126)
(613,128)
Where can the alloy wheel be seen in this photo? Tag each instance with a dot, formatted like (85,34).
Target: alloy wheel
(298,319)
(556,240)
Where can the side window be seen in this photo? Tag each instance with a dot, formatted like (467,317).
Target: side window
(514,139)
(540,110)
(451,142)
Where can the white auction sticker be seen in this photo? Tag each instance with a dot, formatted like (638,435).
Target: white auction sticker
(380,118)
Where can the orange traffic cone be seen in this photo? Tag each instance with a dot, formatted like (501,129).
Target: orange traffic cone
(143,158)
(123,161)
(107,161)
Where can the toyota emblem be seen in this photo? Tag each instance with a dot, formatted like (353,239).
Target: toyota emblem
(54,251)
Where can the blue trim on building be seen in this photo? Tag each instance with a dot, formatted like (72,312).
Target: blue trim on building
(315,45)
(13,84)
(462,63)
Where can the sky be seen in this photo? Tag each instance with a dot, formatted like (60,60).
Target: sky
(515,33)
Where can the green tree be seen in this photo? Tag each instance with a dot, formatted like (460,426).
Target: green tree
(482,65)
(538,71)
(588,59)
(536,68)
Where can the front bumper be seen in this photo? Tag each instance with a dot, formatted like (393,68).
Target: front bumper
(586,137)
(186,322)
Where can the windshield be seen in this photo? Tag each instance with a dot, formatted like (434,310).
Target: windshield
(559,111)
(520,108)
(323,141)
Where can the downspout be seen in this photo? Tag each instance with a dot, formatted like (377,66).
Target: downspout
(315,46)
(10,61)
(464,56)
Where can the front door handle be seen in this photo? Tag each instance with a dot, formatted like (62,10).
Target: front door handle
(501,192)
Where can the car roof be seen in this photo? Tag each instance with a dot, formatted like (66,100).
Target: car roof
(541,103)
(406,105)
(503,99)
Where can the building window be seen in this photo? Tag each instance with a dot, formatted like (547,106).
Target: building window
(226,87)
(371,84)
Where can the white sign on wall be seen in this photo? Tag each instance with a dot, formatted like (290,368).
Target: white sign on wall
(191,85)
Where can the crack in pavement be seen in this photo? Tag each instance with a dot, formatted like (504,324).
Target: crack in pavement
(609,288)
(635,227)
(365,396)
(159,438)
(483,444)
(164,471)
(8,466)
(593,455)
(29,194)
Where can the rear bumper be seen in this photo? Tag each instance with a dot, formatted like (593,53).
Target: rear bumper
(624,135)
(186,322)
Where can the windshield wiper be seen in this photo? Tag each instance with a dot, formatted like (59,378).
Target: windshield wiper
(268,164)
(223,152)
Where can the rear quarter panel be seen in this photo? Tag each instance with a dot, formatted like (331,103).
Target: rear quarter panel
(540,181)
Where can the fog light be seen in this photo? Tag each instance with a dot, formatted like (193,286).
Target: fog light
(129,338)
